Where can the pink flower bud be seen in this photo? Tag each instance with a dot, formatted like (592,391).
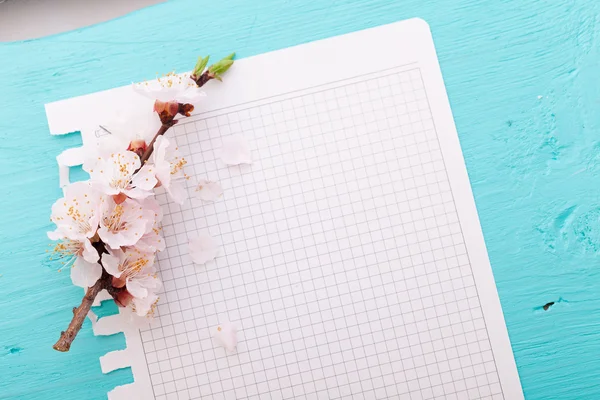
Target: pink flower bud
(167,110)
(138,146)
(168,107)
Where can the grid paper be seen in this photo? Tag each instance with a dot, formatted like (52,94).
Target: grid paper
(342,259)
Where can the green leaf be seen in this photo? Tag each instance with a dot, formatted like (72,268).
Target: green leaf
(221,66)
(200,65)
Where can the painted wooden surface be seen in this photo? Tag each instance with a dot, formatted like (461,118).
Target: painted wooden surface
(522,77)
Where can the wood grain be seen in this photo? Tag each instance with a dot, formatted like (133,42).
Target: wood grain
(522,77)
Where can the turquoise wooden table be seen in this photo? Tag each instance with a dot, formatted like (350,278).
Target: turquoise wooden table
(522,77)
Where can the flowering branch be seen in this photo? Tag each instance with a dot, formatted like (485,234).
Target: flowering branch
(108,227)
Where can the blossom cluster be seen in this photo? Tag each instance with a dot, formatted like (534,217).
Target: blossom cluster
(108,227)
(112,221)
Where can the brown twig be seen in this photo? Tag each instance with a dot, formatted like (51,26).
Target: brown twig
(163,129)
(79,313)
(203,78)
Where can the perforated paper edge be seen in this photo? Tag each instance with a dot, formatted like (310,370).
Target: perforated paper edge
(130,357)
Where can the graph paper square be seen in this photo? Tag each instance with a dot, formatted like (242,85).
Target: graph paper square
(342,259)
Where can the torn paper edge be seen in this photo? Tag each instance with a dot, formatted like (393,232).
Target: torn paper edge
(132,356)
(85,114)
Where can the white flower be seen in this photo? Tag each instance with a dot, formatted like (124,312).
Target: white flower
(203,249)
(76,215)
(122,224)
(226,336)
(168,166)
(208,190)
(170,87)
(142,285)
(236,150)
(151,241)
(135,121)
(145,306)
(68,250)
(85,274)
(133,269)
(143,288)
(116,174)
(126,264)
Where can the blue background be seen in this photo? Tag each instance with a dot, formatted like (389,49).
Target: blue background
(522,77)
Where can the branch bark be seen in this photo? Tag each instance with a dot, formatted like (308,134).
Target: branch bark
(161,131)
(203,78)
(79,313)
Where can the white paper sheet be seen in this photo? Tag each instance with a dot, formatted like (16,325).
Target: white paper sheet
(352,261)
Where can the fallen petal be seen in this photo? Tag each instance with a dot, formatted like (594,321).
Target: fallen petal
(226,336)
(203,249)
(236,150)
(208,190)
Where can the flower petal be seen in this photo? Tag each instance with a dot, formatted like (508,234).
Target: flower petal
(122,224)
(177,192)
(85,274)
(76,215)
(160,149)
(203,249)
(192,95)
(151,242)
(236,150)
(208,190)
(145,306)
(152,210)
(137,193)
(226,336)
(162,165)
(136,289)
(90,254)
(134,120)
(170,87)
(110,262)
(145,178)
